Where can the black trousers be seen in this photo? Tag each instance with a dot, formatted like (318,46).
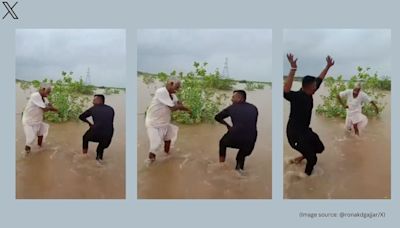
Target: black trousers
(103,140)
(307,143)
(245,148)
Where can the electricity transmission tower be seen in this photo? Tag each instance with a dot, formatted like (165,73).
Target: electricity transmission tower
(88,80)
(225,71)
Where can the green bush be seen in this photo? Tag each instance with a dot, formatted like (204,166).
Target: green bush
(68,96)
(210,80)
(162,77)
(204,103)
(201,91)
(251,86)
(371,84)
(109,91)
(148,79)
(385,83)
(24,85)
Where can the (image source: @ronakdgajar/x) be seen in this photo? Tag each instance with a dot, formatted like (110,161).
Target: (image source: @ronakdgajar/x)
(70,113)
(204,114)
(337,91)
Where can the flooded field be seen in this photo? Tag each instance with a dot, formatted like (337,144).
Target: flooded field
(192,171)
(59,171)
(350,167)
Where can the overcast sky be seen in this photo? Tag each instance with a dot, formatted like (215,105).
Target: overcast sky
(44,53)
(348,47)
(248,51)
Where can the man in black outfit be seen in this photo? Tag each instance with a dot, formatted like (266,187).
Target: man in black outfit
(102,129)
(242,134)
(300,136)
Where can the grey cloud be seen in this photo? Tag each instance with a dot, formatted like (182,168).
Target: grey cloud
(248,51)
(349,48)
(46,52)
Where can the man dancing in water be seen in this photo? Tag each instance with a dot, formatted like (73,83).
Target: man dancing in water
(355,100)
(32,117)
(102,128)
(158,117)
(242,134)
(299,134)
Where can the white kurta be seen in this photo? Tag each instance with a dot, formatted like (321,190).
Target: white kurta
(354,111)
(158,119)
(32,118)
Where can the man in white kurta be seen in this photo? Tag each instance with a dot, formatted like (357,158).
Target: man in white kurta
(32,117)
(158,118)
(355,100)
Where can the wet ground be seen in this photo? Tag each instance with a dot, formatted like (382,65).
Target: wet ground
(192,171)
(350,167)
(59,171)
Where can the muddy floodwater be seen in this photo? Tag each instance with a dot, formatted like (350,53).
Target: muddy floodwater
(192,170)
(350,167)
(59,171)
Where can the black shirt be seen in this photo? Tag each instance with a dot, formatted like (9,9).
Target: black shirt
(244,120)
(301,106)
(103,119)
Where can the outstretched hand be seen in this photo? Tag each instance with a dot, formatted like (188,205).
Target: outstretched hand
(182,107)
(50,107)
(292,60)
(329,61)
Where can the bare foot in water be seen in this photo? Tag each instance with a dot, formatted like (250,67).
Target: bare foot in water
(152,157)
(27,149)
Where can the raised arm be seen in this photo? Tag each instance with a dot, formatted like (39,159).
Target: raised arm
(42,103)
(50,108)
(329,63)
(180,107)
(289,81)
(168,99)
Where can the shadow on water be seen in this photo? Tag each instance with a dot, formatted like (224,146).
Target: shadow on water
(350,167)
(59,171)
(192,171)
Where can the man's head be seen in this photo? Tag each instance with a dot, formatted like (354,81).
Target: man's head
(239,96)
(45,89)
(98,99)
(173,85)
(309,84)
(357,89)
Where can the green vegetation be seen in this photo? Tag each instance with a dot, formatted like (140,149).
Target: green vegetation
(24,85)
(109,91)
(372,84)
(385,83)
(251,86)
(210,80)
(213,80)
(202,91)
(148,79)
(67,95)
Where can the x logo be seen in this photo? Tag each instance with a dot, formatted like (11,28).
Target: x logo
(10,10)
